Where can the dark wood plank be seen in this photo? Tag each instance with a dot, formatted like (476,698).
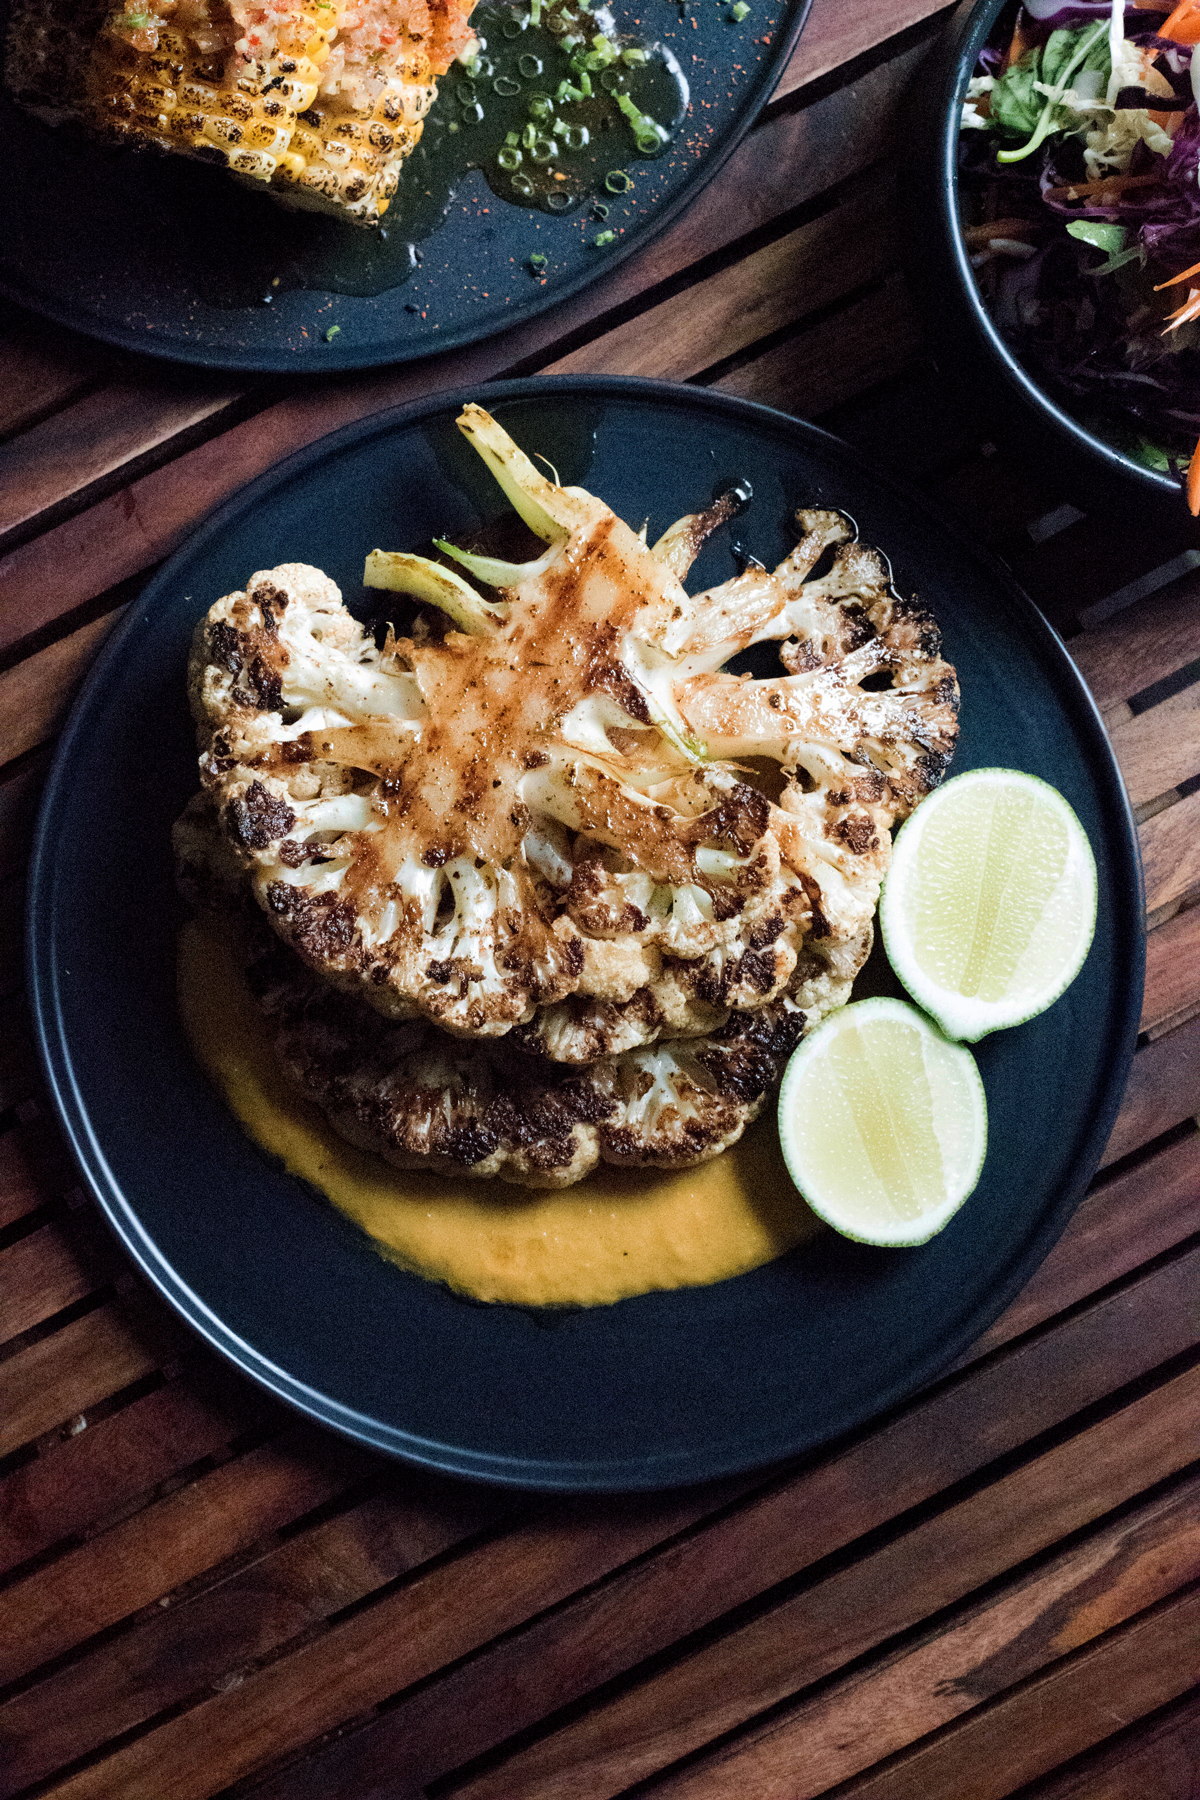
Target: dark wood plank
(170,1542)
(1113,1575)
(833,361)
(1126,1675)
(19,1190)
(937,1441)
(40,368)
(39,1276)
(1164,1089)
(35,694)
(1171,855)
(1141,645)
(95,435)
(1159,1759)
(202,1640)
(1172,972)
(61,1375)
(80,1482)
(1160,748)
(12,922)
(836,34)
(20,790)
(856,243)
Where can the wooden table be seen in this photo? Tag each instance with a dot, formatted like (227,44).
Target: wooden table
(993,1586)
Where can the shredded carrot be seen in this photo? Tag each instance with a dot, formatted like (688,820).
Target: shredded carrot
(1184,276)
(976,235)
(1108,187)
(1193,483)
(1183,26)
(1018,44)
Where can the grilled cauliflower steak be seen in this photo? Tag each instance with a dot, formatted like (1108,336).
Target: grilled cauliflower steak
(536,823)
(423,1099)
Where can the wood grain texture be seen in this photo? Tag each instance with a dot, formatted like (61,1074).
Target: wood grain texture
(39,1276)
(51,1380)
(1171,855)
(1116,1573)
(40,369)
(1142,645)
(1160,748)
(79,1483)
(213,1637)
(808,373)
(35,695)
(95,435)
(1074,1705)
(1158,1759)
(1172,972)
(836,34)
(938,1441)
(1163,1091)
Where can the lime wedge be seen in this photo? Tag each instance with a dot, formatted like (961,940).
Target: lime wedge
(883,1123)
(989,907)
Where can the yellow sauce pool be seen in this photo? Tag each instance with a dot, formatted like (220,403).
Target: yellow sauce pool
(617,1233)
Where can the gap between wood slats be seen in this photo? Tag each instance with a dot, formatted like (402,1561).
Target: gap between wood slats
(409,1635)
(1172,993)
(20,1193)
(40,1275)
(1160,748)
(1142,646)
(1112,1576)
(120,1683)
(59,1376)
(1156,1759)
(769,175)
(836,34)
(40,369)
(35,694)
(833,1620)
(1171,857)
(1127,1674)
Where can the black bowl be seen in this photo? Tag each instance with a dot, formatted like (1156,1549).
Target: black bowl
(968,343)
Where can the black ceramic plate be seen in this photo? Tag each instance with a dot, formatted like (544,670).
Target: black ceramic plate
(175,259)
(658,1390)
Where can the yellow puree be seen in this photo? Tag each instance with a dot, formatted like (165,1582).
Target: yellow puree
(617,1233)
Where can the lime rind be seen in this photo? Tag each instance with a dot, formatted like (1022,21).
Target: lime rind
(818,1127)
(1058,945)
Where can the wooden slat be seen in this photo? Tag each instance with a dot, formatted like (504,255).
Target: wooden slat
(168,1543)
(12,947)
(1171,854)
(785,162)
(939,1440)
(836,33)
(1124,1676)
(39,1276)
(59,1376)
(35,694)
(1155,1760)
(1141,645)
(1160,748)
(1172,971)
(1164,1089)
(83,1480)
(20,790)
(810,372)
(1127,1220)
(1113,1575)
(19,1190)
(796,275)
(92,437)
(40,369)
(170,1655)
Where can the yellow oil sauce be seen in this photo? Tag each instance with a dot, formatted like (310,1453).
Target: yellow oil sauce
(614,1234)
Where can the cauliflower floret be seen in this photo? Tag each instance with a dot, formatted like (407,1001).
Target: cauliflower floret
(537,823)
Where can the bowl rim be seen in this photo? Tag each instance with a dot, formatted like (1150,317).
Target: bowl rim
(971,36)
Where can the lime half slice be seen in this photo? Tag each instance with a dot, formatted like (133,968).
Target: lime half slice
(989,907)
(883,1123)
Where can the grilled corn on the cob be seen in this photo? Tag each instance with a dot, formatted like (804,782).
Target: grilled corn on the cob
(320,99)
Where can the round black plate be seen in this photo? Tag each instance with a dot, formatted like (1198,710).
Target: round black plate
(175,259)
(654,1391)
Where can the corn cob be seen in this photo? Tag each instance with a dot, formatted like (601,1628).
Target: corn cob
(320,100)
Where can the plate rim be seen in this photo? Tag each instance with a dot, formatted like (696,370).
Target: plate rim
(644,1473)
(310,360)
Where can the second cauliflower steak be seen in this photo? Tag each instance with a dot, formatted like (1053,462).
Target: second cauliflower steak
(536,824)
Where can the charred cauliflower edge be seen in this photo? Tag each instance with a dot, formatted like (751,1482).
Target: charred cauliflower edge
(534,826)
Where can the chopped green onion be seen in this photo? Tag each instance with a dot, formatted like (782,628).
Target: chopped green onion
(604,237)
(541,150)
(739,11)
(530,66)
(599,210)
(508,158)
(505,86)
(334,331)
(617,181)
(512,139)
(472,115)
(513,26)
(610,80)
(576,137)
(648,133)
(560,202)
(521,184)
(632,56)
(535,12)
(537,261)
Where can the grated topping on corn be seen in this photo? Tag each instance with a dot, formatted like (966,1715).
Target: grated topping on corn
(319,99)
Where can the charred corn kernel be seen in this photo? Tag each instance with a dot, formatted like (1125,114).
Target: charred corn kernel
(276,105)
